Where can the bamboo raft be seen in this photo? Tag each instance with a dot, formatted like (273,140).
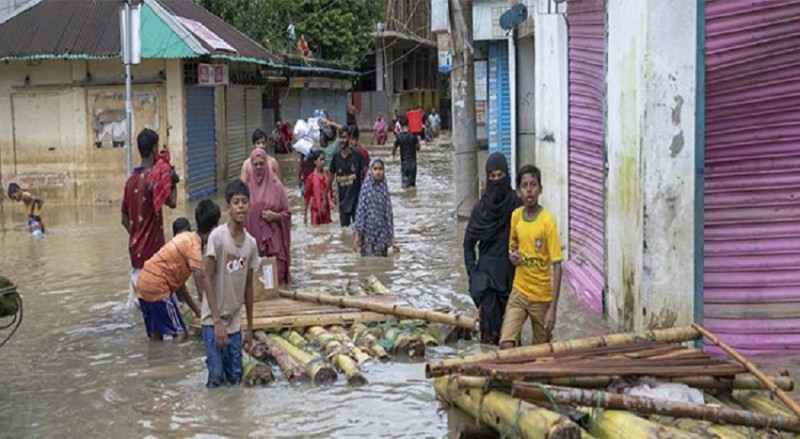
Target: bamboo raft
(603,387)
(313,336)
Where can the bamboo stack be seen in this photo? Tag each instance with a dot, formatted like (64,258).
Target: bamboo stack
(587,377)
(338,355)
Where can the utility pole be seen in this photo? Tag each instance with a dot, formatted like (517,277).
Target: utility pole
(130,45)
(462,83)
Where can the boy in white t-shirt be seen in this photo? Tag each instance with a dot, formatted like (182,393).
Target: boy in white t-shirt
(231,259)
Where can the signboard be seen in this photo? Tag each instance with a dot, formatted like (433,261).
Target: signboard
(212,74)
(481,91)
(445,52)
(205,34)
(440,16)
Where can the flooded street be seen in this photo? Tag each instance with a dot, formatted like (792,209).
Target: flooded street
(81,365)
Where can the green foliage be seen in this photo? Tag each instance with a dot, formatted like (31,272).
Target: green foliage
(336,30)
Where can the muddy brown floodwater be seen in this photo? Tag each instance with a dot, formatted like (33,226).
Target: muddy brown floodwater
(81,366)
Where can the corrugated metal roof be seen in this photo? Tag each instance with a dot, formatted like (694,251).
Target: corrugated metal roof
(89,29)
(245,47)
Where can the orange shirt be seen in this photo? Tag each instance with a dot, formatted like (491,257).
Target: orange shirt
(170,267)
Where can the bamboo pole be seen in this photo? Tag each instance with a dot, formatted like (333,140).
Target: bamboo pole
(701,428)
(404,343)
(672,335)
(336,352)
(365,303)
(354,351)
(445,334)
(700,382)
(472,431)
(254,372)
(793,406)
(641,404)
(295,339)
(362,337)
(760,403)
(506,414)
(319,371)
(289,367)
(426,337)
(616,424)
(374,286)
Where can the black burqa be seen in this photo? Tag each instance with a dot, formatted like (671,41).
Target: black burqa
(491,274)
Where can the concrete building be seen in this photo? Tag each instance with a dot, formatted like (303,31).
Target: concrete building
(667,135)
(62,96)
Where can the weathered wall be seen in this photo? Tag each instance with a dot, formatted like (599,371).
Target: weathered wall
(60,129)
(550,101)
(650,142)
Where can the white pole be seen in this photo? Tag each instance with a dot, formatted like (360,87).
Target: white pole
(127,58)
(512,81)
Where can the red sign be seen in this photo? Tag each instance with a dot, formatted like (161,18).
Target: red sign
(212,74)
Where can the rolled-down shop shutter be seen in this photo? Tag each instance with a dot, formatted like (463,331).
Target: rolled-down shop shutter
(290,105)
(499,116)
(252,101)
(200,142)
(237,138)
(751,278)
(585,270)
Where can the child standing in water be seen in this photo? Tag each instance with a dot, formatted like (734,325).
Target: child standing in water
(374,225)
(315,197)
(32,207)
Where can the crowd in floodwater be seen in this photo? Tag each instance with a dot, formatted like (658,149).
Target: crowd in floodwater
(514,275)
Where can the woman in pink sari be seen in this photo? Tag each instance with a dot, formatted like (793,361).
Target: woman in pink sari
(270,218)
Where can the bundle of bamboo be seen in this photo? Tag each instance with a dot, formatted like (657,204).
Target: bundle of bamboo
(586,375)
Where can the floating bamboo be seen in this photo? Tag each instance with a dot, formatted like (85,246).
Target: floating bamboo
(672,335)
(471,431)
(504,413)
(375,286)
(338,355)
(793,406)
(641,404)
(446,334)
(699,382)
(700,428)
(426,337)
(319,371)
(354,351)
(295,339)
(362,337)
(404,343)
(616,424)
(366,303)
(760,403)
(254,372)
(289,367)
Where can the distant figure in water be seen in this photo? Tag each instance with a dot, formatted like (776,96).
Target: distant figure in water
(490,271)
(374,224)
(32,206)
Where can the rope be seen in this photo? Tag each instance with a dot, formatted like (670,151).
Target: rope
(547,393)
(750,428)
(513,429)
(597,411)
(487,387)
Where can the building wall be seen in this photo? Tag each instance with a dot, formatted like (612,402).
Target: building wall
(650,143)
(60,124)
(551,102)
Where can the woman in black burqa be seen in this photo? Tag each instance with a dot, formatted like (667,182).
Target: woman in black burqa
(491,274)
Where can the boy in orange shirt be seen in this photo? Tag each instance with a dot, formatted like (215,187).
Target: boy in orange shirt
(164,274)
(535,249)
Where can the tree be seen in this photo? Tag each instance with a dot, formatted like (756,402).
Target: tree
(336,30)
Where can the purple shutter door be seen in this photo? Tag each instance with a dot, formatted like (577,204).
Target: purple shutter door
(752,174)
(587,40)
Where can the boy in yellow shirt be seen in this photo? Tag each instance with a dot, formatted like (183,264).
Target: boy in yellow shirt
(535,249)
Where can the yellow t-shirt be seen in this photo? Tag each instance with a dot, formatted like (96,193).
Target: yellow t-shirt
(540,247)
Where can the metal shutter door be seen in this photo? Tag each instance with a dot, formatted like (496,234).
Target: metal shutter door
(499,116)
(252,102)
(238,140)
(752,184)
(200,142)
(585,270)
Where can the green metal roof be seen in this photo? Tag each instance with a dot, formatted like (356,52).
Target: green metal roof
(159,40)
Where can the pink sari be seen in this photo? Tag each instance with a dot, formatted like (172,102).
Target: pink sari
(267,193)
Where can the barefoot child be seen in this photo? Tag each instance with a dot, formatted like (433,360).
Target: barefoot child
(535,249)
(315,197)
(163,276)
(231,259)
(374,226)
